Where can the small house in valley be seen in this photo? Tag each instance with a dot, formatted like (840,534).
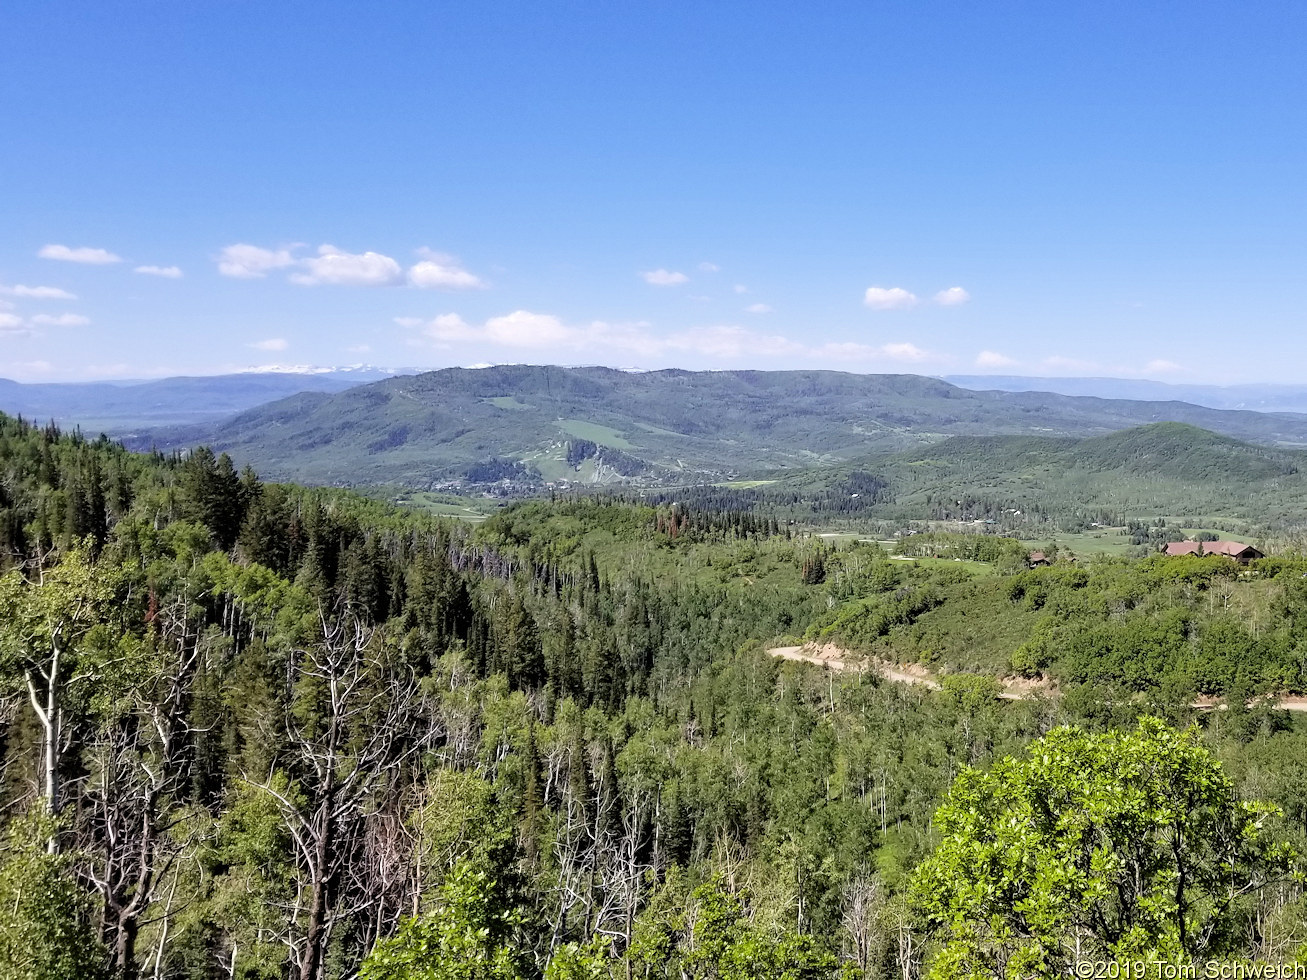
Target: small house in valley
(1242,553)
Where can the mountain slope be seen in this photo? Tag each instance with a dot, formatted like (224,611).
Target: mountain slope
(427,428)
(1164,468)
(1030,485)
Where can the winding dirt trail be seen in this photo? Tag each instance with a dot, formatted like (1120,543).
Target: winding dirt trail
(838,659)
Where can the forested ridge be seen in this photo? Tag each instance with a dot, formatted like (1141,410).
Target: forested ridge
(660,427)
(253,730)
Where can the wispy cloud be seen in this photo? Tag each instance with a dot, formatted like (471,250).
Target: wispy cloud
(333,267)
(953,296)
(908,353)
(11,323)
(440,271)
(758,308)
(740,289)
(86,256)
(162,271)
(59,320)
(709,267)
(524,330)
(242,261)
(993,359)
(664,277)
(891,298)
(36,292)
(274,343)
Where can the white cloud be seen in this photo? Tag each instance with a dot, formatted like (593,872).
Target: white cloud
(87,256)
(409,321)
(910,353)
(440,271)
(758,308)
(525,330)
(332,266)
(62,320)
(709,267)
(521,328)
(893,298)
(450,328)
(993,359)
(664,277)
(11,323)
(163,271)
(1162,367)
(251,262)
(732,341)
(953,296)
(36,292)
(740,289)
(274,343)
(336,268)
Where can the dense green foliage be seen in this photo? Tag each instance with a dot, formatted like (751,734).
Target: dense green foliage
(272,732)
(1115,847)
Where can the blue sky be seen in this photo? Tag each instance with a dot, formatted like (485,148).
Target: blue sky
(1024,188)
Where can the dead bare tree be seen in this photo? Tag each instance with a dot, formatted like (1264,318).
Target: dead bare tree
(864,932)
(348,731)
(139,762)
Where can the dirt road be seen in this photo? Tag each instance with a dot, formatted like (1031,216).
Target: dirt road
(1011,688)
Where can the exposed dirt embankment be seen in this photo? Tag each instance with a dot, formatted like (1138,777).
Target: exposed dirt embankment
(826,655)
(1013,688)
(837,658)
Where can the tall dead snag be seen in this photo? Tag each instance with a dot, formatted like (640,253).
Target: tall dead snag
(349,729)
(138,761)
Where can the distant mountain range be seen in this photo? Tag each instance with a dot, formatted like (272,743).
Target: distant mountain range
(125,408)
(1250,397)
(597,424)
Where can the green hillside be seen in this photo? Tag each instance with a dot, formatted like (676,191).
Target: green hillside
(672,426)
(1025,483)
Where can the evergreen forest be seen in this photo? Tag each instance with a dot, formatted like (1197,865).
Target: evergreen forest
(263,731)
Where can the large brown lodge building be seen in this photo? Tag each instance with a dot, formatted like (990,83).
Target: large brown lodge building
(1242,553)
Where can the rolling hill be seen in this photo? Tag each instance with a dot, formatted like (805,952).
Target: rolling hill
(666,426)
(1161,469)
